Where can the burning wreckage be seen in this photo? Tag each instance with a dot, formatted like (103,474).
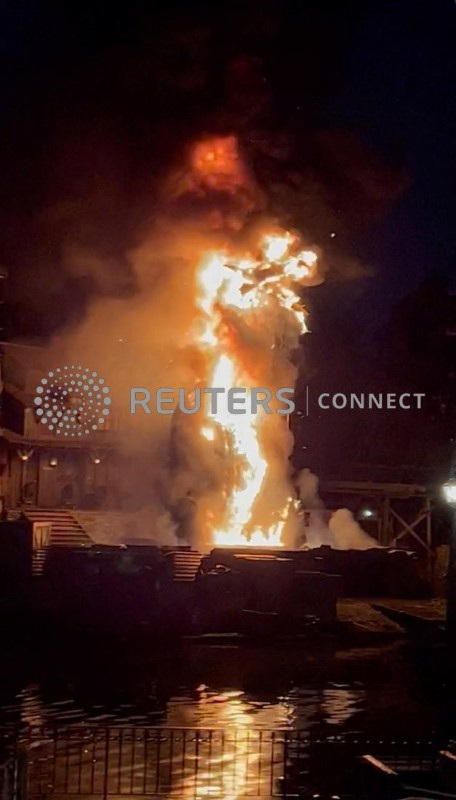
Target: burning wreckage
(228,482)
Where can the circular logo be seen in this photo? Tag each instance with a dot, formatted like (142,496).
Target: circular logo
(72,401)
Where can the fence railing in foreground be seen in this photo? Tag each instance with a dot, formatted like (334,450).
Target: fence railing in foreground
(188,763)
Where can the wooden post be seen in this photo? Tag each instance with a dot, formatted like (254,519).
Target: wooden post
(38,471)
(23,474)
(430,552)
(386,520)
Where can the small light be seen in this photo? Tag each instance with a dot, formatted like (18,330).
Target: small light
(24,455)
(449,491)
(367,513)
(97,460)
(53,462)
(332,235)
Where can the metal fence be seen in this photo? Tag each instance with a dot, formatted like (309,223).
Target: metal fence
(189,764)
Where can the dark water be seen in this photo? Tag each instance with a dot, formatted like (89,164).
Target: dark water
(267,717)
(388,689)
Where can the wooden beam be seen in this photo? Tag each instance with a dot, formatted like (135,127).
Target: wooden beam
(372,488)
(410,528)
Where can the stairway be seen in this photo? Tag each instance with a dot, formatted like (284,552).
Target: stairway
(185,563)
(65,529)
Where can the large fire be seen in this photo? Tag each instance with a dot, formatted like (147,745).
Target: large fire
(219,290)
(238,297)
(220,298)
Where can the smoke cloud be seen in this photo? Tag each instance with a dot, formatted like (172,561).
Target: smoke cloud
(148,337)
(337,529)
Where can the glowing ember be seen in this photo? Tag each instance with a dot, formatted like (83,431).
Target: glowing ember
(245,292)
(217,165)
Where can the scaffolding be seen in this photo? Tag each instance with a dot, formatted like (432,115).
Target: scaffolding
(403,511)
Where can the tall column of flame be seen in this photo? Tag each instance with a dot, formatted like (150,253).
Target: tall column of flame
(255,289)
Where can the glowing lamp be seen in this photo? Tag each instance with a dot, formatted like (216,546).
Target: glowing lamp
(24,455)
(449,492)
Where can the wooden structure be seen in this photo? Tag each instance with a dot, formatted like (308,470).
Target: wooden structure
(402,512)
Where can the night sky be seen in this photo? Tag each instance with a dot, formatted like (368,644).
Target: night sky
(98,98)
(345,113)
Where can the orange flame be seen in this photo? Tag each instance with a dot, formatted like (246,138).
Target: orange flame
(244,285)
(217,164)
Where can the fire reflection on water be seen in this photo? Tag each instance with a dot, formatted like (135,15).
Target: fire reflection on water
(216,744)
(338,704)
(245,758)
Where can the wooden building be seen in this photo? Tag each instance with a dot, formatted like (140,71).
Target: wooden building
(39,469)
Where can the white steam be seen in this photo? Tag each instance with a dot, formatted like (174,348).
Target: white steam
(337,529)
